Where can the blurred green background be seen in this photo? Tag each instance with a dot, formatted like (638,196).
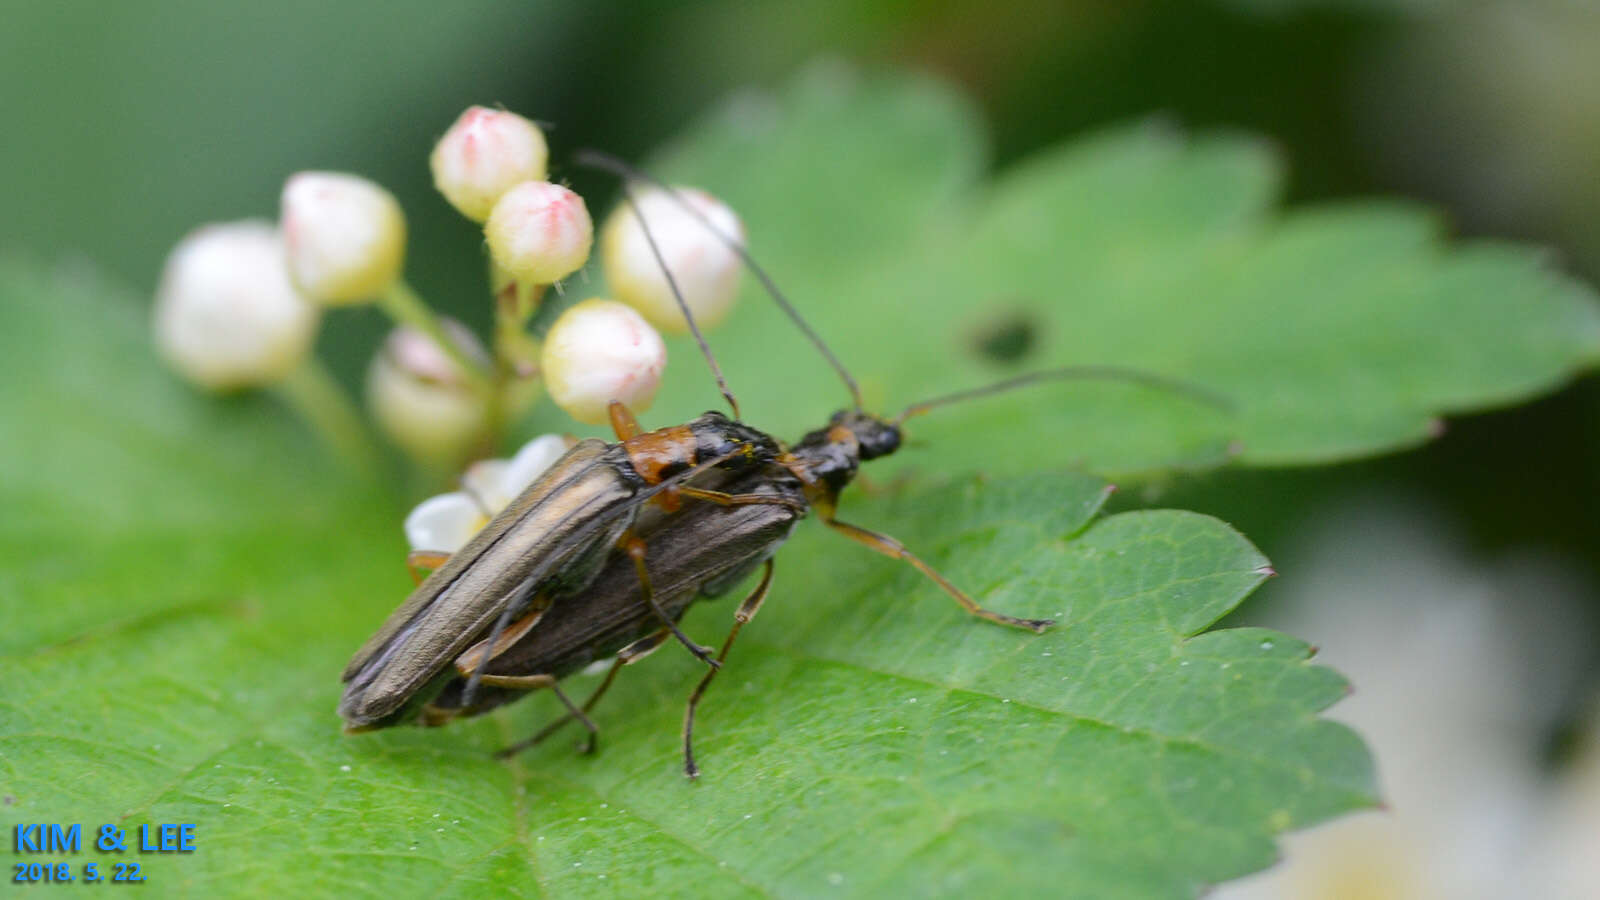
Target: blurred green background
(127,124)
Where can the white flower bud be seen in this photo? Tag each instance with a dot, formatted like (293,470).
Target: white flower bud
(540,232)
(519,351)
(226,315)
(418,397)
(599,351)
(345,236)
(483,155)
(706,270)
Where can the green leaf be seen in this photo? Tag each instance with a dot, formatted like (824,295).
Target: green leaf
(1337,331)
(183,581)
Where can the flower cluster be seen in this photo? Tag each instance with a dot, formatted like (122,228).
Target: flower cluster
(239,306)
(240,303)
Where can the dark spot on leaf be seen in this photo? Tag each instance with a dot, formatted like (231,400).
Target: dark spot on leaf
(8,800)
(1008,337)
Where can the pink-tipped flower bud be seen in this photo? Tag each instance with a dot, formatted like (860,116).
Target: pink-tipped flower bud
(226,315)
(599,351)
(418,397)
(484,154)
(540,232)
(706,269)
(345,236)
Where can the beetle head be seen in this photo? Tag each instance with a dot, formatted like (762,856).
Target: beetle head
(876,437)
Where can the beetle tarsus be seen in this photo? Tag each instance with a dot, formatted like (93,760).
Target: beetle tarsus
(747,611)
(892,548)
(627,656)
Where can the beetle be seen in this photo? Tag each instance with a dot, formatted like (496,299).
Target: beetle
(564,576)
(700,551)
(548,543)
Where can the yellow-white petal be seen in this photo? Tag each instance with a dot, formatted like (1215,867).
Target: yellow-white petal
(535,457)
(494,483)
(444,522)
(482,482)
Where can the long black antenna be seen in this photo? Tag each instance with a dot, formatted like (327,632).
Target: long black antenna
(1069,373)
(683,305)
(594,159)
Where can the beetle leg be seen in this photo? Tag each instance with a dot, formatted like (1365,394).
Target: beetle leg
(628,656)
(639,649)
(483,652)
(747,611)
(539,682)
(722,498)
(518,682)
(513,602)
(419,561)
(636,551)
(670,499)
(888,546)
(623,422)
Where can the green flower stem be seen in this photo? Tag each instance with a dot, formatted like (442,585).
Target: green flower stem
(312,392)
(405,307)
(515,303)
(513,309)
(529,298)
